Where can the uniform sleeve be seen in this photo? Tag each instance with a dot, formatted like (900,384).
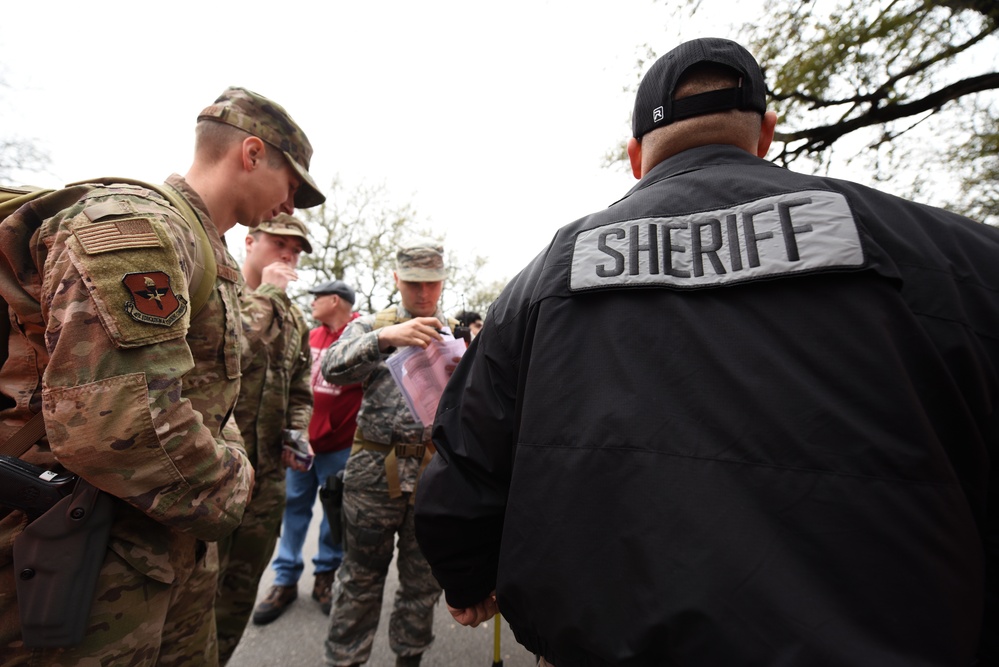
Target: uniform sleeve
(263,311)
(353,356)
(300,386)
(461,497)
(116,325)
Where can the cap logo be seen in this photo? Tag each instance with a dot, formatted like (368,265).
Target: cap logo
(657,114)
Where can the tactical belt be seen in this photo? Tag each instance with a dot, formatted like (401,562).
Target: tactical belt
(392,454)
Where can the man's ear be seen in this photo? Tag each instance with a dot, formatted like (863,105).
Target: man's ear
(248,243)
(767,128)
(635,156)
(253,151)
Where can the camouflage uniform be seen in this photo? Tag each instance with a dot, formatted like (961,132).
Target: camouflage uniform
(134,392)
(373,517)
(276,394)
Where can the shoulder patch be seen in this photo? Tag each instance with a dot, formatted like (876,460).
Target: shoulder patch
(140,291)
(785,234)
(153,299)
(112,235)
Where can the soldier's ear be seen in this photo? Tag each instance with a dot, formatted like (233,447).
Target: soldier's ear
(253,151)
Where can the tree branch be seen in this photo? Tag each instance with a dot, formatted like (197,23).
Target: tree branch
(819,138)
(883,90)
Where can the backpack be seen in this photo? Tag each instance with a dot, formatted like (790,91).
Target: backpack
(202,284)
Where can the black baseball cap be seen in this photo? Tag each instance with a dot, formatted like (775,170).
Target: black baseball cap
(654,103)
(338,287)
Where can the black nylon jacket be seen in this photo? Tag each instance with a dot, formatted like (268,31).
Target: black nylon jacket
(741,417)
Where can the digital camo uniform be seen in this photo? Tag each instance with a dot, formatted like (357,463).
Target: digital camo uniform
(276,394)
(134,396)
(372,515)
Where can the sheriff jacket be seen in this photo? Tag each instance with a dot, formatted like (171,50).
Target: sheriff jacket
(742,416)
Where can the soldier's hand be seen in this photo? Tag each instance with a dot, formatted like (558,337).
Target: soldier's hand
(297,452)
(278,274)
(481,612)
(418,331)
(296,464)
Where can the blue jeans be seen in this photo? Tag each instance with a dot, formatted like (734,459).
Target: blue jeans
(301,490)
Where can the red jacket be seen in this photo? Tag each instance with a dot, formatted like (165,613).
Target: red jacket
(334,411)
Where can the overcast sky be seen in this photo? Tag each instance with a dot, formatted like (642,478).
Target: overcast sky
(491,119)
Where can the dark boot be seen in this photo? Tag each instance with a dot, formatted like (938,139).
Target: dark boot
(277,600)
(408,660)
(321,590)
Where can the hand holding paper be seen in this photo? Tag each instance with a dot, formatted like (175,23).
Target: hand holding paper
(421,374)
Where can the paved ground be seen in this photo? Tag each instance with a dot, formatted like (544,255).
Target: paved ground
(296,638)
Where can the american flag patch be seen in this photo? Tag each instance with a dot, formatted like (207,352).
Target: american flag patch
(117,235)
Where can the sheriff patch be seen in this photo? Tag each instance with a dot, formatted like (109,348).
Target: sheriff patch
(780,235)
(153,300)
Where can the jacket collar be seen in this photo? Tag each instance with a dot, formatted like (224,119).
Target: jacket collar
(693,159)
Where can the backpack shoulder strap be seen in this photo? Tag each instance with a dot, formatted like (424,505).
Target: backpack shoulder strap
(384,318)
(390,315)
(24,437)
(205,258)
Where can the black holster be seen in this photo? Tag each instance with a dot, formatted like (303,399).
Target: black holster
(57,560)
(331,496)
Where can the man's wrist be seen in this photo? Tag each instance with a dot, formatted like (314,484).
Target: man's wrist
(383,345)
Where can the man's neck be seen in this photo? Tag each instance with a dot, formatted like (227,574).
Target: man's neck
(205,183)
(337,322)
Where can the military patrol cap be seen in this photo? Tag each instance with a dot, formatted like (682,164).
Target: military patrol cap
(338,287)
(654,103)
(420,261)
(285,225)
(269,121)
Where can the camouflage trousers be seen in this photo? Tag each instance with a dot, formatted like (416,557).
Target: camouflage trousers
(372,522)
(134,620)
(243,557)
